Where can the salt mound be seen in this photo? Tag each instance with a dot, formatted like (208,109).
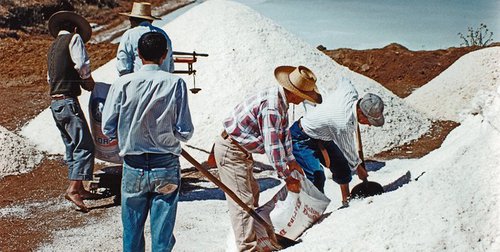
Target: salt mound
(453,206)
(461,88)
(244,48)
(16,154)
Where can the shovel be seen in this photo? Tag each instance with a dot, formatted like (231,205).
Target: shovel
(282,242)
(365,188)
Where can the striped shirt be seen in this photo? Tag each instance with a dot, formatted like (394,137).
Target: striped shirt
(335,120)
(148,112)
(260,125)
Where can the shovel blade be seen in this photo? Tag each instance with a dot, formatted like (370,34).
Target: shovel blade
(366,189)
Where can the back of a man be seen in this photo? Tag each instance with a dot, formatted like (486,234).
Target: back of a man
(127,57)
(148,112)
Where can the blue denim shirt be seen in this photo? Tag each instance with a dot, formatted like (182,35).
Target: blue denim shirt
(127,56)
(148,112)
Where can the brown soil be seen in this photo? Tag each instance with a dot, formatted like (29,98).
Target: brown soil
(397,68)
(24,90)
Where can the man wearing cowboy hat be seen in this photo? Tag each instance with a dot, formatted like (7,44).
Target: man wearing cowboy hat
(68,70)
(260,125)
(327,134)
(127,57)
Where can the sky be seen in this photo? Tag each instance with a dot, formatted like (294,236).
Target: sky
(365,24)
(451,202)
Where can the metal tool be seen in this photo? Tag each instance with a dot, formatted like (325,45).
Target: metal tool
(188,58)
(365,188)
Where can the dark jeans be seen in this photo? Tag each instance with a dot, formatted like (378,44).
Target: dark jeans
(308,155)
(76,136)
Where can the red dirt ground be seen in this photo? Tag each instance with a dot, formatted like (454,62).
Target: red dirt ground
(24,93)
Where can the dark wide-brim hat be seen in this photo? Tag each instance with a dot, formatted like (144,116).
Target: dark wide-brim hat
(299,80)
(83,26)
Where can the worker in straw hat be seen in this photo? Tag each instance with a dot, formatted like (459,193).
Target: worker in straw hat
(259,125)
(127,57)
(328,134)
(68,72)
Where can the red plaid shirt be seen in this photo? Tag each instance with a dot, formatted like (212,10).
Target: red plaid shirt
(260,125)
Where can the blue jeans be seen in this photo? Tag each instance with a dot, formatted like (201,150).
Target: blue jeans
(150,183)
(308,155)
(76,136)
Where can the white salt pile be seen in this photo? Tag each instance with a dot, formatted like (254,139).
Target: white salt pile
(452,206)
(462,88)
(244,48)
(16,154)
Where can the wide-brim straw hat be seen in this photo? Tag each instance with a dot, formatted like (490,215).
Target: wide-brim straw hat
(300,81)
(59,17)
(141,10)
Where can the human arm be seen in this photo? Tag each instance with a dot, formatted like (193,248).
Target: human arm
(276,139)
(125,56)
(111,112)
(80,58)
(183,125)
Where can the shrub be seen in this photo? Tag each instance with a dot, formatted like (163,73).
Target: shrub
(478,37)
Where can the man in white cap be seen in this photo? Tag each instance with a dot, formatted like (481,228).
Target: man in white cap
(328,132)
(68,72)
(127,57)
(260,125)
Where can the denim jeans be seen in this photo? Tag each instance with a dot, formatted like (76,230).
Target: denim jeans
(150,183)
(76,136)
(308,155)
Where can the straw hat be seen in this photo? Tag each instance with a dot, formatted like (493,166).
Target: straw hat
(59,17)
(141,10)
(300,81)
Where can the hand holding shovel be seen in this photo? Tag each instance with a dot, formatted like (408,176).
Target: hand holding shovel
(365,188)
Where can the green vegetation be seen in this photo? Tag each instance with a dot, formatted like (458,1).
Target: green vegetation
(477,37)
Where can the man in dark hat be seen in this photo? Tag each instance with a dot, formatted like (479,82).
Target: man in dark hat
(260,125)
(68,72)
(127,57)
(327,134)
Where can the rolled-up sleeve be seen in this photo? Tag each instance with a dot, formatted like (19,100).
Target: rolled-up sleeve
(183,125)
(79,56)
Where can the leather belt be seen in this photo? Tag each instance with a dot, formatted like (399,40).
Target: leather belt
(60,97)
(226,136)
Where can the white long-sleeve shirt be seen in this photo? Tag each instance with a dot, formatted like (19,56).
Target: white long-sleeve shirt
(78,55)
(335,120)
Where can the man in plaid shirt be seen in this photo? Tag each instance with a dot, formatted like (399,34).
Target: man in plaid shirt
(260,125)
